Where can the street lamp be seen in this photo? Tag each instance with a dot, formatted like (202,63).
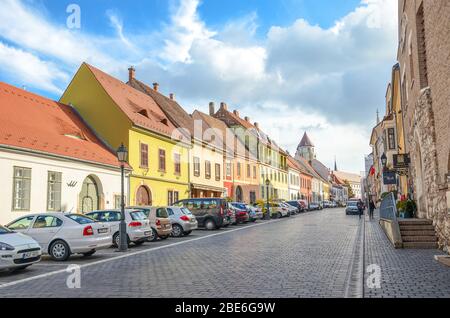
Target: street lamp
(122,154)
(268,204)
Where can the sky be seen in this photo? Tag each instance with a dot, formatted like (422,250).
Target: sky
(320,66)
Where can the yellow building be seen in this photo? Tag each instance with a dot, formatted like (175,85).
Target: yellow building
(158,151)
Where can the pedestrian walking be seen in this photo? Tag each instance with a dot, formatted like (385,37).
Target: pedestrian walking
(372,207)
(360,206)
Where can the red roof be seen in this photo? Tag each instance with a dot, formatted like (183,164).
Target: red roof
(140,108)
(33,122)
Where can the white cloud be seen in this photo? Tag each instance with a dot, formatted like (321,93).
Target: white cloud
(297,77)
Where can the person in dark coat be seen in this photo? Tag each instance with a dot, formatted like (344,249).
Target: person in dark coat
(372,207)
(360,206)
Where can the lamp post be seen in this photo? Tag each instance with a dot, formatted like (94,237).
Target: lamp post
(268,204)
(122,154)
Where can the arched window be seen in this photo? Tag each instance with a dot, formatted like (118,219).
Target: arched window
(239,197)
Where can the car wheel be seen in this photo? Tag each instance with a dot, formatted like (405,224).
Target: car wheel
(210,225)
(88,254)
(279,215)
(116,240)
(177,230)
(154,236)
(187,233)
(59,251)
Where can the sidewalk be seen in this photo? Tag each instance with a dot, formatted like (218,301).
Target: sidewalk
(405,273)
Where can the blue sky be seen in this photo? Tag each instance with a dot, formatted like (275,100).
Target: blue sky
(292,65)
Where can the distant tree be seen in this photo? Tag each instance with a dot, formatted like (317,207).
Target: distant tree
(350,190)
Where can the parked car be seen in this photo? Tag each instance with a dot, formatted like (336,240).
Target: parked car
(159,221)
(314,206)
(255,213)
(326,204)
(210,212)
(297,205)
(304,204)
(17,251)
(182,220)
(291,209)
(281,211)
(352,208)
(230,216)
(138,226)
(61,235)
(240,211)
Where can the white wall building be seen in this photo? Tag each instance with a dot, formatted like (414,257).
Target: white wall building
(50,160)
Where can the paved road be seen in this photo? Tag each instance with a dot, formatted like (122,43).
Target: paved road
(308,255)
(315,254)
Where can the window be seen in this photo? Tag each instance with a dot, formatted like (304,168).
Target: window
(175,196)
(21,224)
(170,198)
(162,213)
(228,169)
(117,201)
(207,169)
(248,171)
(391,138)
(196,166)
(239,169)
(254,172)
(421,47)
(411,60)
(21,189)
(144,155)
(54,191)
(217,172)
(177,163)
(46,221)
(162,160)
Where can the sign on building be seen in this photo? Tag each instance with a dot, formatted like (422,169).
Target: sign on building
(389,177)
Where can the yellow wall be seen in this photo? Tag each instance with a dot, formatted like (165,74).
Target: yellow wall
(159,182)
(215,156)
(96,107)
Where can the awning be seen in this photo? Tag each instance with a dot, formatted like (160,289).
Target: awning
(207,187)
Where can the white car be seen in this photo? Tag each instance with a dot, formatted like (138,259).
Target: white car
(61,235)
(291,209)
(138,226)
(17,251)
(280,210)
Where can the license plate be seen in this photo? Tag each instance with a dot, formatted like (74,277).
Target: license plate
(101,231)
(30,255)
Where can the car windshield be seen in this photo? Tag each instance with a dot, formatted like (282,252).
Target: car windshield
(80,219)
(4,230)
(186,211)
(352,203)
(239,206)
(138,215)
(161,213)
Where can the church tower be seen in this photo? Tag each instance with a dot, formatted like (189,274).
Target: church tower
(305,149)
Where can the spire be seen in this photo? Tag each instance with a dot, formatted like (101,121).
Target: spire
(378,117)
(306,142)
(335,164)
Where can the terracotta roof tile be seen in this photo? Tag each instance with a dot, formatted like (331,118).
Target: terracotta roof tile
(140,108)
(36,123)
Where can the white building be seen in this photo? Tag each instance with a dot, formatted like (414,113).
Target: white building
(50,160)
(293,179)
(353,179)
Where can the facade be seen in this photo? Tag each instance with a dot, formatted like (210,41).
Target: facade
(353,179)
(425,80)
(260,151)
(58,166)
(294,179)
(158,151)
(205,156)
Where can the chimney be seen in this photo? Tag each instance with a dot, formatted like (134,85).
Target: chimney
(236,113)
(155,87)
(172,96)
(256,125)
(223,106)
(247,119)
(131,73)
(212,111)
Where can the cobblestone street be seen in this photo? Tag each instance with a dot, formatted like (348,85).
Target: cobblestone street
(308,255)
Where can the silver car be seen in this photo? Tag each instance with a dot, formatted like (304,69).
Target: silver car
(61,235)
(17,251)
(182,220)
(138,226)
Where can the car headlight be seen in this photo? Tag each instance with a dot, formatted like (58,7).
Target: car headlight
(6,247)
